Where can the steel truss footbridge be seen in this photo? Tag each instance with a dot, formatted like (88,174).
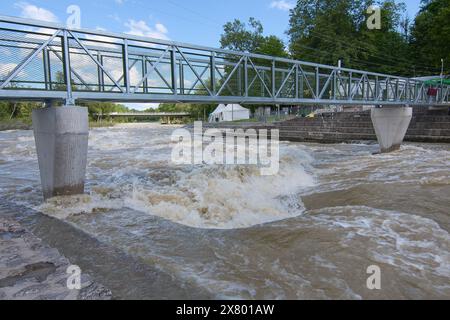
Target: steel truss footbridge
(45,62)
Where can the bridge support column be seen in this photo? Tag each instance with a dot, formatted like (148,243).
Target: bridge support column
(61,136)
(391,124)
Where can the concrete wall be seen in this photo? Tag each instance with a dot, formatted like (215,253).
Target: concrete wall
(346,127)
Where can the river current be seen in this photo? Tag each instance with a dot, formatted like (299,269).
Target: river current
(309,232)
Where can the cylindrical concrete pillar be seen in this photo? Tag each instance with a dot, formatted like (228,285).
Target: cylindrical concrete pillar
(61,136)
(391,124)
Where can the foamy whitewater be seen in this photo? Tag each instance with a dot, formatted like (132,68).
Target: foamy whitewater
(309,232)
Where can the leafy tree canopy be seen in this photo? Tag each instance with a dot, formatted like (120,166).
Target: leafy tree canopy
(431,34)
(238,36)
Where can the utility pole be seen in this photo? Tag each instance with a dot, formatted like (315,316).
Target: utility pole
(442,78)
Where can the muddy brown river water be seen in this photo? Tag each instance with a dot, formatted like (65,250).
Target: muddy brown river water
(309,232)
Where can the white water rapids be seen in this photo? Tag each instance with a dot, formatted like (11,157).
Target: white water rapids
(309,232)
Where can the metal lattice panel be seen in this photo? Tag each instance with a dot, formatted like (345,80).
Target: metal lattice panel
(40,60)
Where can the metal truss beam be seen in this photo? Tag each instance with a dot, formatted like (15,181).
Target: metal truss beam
(143,69)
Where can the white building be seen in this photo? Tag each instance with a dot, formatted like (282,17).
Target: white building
(231,112)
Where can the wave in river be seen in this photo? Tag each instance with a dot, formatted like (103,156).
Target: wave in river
(222,197)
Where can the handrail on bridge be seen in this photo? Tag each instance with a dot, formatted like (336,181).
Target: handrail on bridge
(50,61)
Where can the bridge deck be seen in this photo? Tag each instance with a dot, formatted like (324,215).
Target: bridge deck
(39,62)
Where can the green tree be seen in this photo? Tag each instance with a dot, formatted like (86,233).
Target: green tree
(329,30)
(272,46)
(16,110)
(248,38)
(387,50)
(325,31)
(431,35)
(238,36)
(197,111)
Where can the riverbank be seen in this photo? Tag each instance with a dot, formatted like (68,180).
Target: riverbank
(346,127)
(6,125)
(31,270)
(14,125)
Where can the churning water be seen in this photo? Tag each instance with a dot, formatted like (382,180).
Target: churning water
(309,232)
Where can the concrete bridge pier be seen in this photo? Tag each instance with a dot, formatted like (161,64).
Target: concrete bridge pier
(61,136)
(390,124)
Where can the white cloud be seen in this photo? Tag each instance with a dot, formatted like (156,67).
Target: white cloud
(30,11)
(161,28)
(7,68)
(140,28)
(119,1)
(115,17)
(282,5)
(102,39)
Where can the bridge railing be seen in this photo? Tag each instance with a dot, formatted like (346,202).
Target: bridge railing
(47,61)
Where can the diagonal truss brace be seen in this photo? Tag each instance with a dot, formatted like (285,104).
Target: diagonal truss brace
(314,94)
(21,66)
(259,76)
(285,81)
(96,62)
(222,77)
(193,70)
(324,89)
(198,80)
(159,74)
(230,75)
(76,74)
(154,66)
(123,76)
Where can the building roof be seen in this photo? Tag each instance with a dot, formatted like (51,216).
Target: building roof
(229,108)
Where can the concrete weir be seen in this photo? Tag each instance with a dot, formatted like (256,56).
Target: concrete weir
(391,124)
(61,136)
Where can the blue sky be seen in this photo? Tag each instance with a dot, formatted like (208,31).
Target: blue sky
(194,21)
(198,22)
